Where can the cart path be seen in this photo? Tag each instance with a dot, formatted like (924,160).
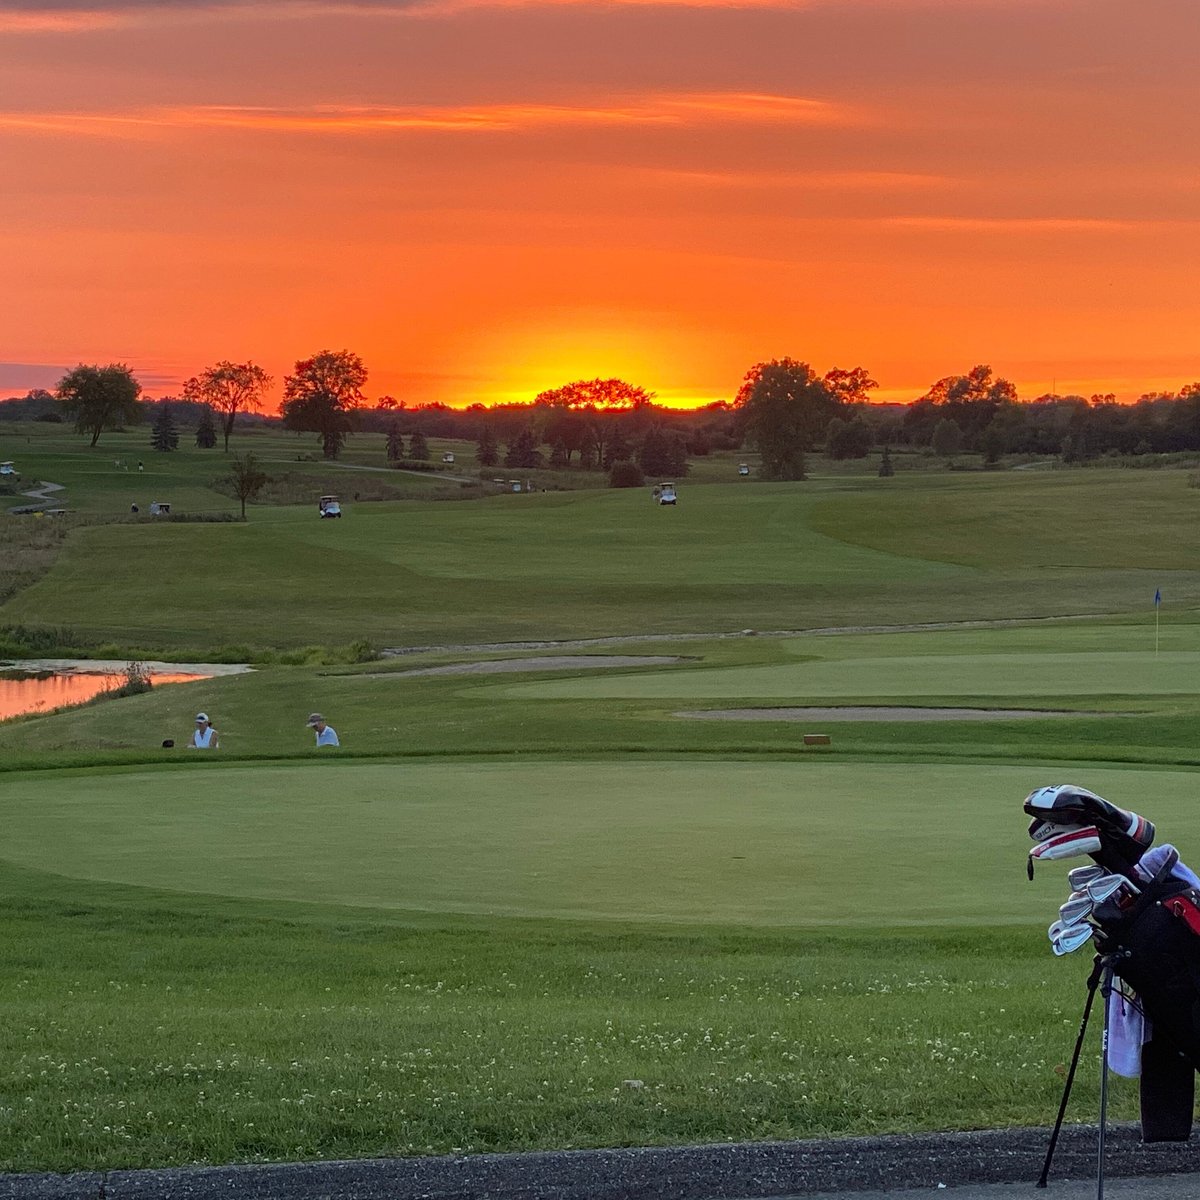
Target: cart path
(983,1165)
(558,662)
(43,494)
(815,631)
(43,490)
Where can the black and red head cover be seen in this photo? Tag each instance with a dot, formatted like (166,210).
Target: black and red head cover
(1063,811)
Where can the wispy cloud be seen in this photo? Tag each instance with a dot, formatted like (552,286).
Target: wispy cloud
(30,20)
(84,16)
(1050,225)
(817,181)
(648,110)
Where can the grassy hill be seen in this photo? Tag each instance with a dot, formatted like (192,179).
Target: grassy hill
(842,551)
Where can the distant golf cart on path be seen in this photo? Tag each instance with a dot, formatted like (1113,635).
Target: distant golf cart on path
(8,471)
(666,493)
(329,506)
(159,509)
(743,468)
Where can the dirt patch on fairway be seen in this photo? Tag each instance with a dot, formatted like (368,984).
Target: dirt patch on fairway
(558,662)
(897,713)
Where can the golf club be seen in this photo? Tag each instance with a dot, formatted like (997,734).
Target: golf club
(1080,877)
(1071,938)
(1078,906)
(1102,889)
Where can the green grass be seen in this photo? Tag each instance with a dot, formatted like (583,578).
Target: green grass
(800,844)
(505,896)
(595,563)
(141,1032)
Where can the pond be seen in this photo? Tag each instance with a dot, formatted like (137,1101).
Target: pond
(50,684)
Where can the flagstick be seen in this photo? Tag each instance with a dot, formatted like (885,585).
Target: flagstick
(1156,608)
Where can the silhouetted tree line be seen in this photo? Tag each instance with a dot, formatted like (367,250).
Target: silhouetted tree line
(783,408)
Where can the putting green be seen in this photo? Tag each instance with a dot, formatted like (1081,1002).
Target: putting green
(785,843)
(1124,673)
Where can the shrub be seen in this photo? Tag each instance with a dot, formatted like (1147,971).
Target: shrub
(361,651)
(626,474)
(136,680)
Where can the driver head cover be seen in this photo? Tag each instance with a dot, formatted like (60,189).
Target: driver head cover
(1068,843)
(1123,835)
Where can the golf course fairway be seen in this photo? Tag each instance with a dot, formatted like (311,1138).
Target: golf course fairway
(746,843)
(1035,674)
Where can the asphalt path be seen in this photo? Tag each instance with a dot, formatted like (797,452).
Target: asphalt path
(988,1165)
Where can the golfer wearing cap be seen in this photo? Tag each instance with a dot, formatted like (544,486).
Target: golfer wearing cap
(204,736)
(326,735)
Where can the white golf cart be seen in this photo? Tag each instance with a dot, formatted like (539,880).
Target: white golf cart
(666,493)
(448,458)
(743,468)
(159,509)
(329,506)
(9,471)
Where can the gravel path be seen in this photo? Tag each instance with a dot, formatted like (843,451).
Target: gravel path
(43,494)
(815,631)
(871,1165)
(559,662)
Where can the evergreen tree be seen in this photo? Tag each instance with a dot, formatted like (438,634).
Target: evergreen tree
(395,443)
(523,451)
(653,455)
(206,431)
(488,450)
(587,452)
(677,455)
(558,455)
(617,450)
(163,435)
(418,447)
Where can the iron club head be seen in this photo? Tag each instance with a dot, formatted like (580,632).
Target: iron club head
(1080,877)
(1100,890)
(1071,938)
(1078,906)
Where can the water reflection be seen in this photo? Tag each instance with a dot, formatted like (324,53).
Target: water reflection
(19,696)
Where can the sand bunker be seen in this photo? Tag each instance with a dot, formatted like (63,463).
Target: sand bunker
(558,662)
(878,714)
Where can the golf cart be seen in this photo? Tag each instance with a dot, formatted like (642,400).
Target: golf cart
(448,458)
(159,509)
(328,506)
(6,468)
(666,493)
(743,468)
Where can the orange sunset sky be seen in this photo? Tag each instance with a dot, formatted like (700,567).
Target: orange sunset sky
(485,198)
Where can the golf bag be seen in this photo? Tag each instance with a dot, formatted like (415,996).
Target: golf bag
(1149,931)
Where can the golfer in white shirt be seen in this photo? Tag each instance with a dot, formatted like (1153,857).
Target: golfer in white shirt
(204,737)
(326,735)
